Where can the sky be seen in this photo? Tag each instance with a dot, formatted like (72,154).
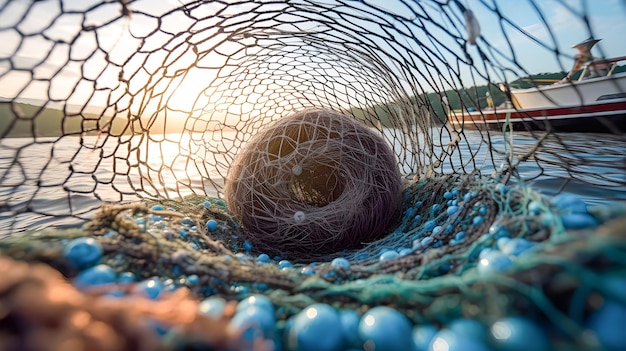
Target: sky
(36,64)
(562,28)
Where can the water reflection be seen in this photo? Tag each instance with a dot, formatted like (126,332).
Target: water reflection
(73,175)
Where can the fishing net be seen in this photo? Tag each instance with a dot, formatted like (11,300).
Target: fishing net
(315,182)
(189,138)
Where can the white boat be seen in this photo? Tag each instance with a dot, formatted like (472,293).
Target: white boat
(594,102)
(596,84)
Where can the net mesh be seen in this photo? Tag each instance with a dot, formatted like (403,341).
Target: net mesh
(128,100)
(315,182)
(405,126)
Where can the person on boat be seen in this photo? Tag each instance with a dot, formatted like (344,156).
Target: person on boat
(489,100)
(583,56)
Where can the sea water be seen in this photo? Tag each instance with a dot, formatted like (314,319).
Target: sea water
(36,176)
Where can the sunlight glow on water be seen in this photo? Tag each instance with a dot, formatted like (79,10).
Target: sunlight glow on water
(58,178)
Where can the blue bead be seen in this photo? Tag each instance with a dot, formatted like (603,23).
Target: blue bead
(425,241)
(429,225)
(500,242)
(470,328)
(423,335)
(157,208)
(183,233)
(483,211)
(207,204)
(499,231)
(193,279)
(340,263)
(211,225)
(450,341)
(384,328)
(516,246)
(404,251)
(247,246)
(518,334)
(285,264)
(97,275)
(485,252)
(608,324)
(150,288)
(157,218)
(388,255)
(187,221)
(436,230)
(263,258)
(417,218)
(569,204)
(307,270)
(350,327)
(409,212)
(467,197)
(494,261)
(535,207)
(417,205)
(477,220)
(452,210)
(260,301)
(578,221)
(454,191)
(212,307)
(436,207)
(459,236)
(254,322)
(502,188)
(126,278)
(260,286)
(447,195)
(83,252)
(316,328)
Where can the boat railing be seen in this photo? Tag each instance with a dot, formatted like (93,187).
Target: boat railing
(600,68)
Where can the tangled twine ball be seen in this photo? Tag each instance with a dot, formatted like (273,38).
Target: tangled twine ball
(315,182)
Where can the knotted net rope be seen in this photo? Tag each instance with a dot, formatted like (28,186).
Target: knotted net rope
(115,101)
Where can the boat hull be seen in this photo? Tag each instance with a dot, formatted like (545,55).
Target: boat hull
(584,92)
(607,117)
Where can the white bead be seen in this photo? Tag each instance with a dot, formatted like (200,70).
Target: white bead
(299,217)
(297,170)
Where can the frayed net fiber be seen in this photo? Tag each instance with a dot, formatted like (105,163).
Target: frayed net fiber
(314,182)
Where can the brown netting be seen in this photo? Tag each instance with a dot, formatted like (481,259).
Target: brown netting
(312,183)
(42,311)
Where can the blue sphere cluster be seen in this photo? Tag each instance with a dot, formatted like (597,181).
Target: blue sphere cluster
(573,212)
